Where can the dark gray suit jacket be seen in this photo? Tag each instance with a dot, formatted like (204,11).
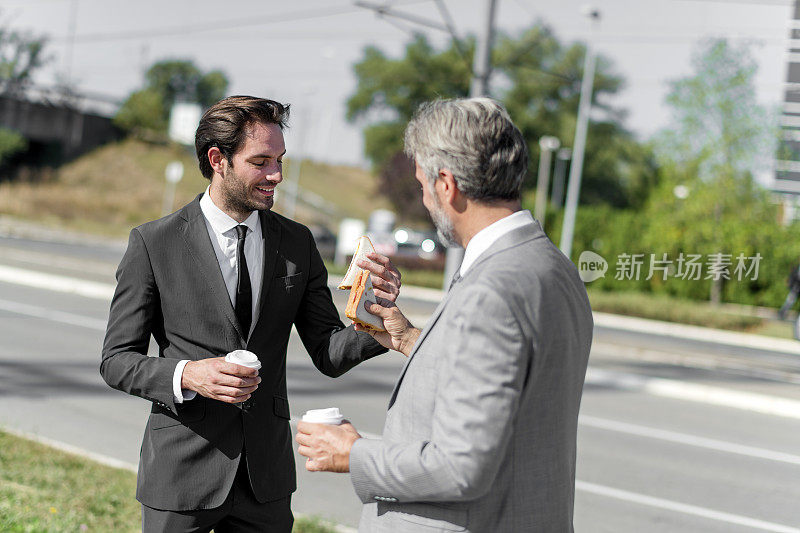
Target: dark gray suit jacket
(481,429)
(169,285)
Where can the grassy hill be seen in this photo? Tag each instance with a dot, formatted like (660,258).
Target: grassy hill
(121,185)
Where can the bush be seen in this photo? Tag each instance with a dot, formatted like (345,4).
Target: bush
(11,143)
(728,215)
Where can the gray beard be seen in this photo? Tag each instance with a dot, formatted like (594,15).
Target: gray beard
(444,226)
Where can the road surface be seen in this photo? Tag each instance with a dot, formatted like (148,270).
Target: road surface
(675,435)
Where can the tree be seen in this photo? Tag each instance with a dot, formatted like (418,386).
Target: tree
(165,83)
(11,143)
(536,77)
(717,124)
(717,135)
(21,54)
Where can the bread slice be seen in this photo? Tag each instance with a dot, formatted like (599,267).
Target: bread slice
(361,292)
(363,247)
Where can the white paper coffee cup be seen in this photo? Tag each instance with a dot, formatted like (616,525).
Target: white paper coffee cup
(330,415)
(244,358)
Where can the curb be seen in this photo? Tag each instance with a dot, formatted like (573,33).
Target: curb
(696,333)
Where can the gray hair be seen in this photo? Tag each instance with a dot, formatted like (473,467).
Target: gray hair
(474,139)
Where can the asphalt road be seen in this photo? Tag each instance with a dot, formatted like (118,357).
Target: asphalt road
(674,435)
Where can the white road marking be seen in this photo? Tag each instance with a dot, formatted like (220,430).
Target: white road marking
(696,392)
(684,508)
(53,315)
(759,403)
(54,282)
(49,260)
(689,440)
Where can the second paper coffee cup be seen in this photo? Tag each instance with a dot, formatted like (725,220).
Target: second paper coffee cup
(330,415)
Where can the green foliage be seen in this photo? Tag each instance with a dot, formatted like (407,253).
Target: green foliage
(718,127)
(705,201)
(312,524)
(21,54)
(11,143)
(538,79)
(147,109)
(390,90)
(143,110)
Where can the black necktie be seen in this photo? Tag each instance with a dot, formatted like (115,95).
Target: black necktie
(244,293)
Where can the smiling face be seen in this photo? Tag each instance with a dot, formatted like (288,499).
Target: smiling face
(248,182)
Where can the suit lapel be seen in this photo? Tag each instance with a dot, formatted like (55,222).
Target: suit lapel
(510,239)
(270,241)
(434,317)
(195,234)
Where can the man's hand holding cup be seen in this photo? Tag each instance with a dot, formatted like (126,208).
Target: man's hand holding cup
(220,379)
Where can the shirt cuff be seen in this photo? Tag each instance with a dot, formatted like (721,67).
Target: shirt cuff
(180,394)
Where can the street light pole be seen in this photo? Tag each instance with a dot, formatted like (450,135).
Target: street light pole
(547,145)
(479,86)
(576,170)
(557,198)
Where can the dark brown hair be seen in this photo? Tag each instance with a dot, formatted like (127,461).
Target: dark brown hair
(225,124)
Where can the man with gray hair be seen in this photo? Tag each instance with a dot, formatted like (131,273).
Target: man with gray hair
(480,434)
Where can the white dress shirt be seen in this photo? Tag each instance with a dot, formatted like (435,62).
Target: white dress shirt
(486,237)
(222,232)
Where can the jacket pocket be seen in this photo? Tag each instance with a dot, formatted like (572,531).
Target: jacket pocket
(430,515)
(287,283)
(280,406)
(188,411)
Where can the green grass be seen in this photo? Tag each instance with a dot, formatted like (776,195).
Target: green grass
(312,524)
(47,490)
(42,489)
(671,310)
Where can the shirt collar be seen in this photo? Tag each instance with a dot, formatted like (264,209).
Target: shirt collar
(220,221)
(482,240)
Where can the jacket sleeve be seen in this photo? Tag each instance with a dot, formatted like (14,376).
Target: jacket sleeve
(333,348)
(135,311)
(476,402)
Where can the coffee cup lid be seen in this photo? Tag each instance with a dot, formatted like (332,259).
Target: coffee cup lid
(329,415)
(244,358)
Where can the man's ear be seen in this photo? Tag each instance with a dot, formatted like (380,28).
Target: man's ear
(217,160)
(446,186)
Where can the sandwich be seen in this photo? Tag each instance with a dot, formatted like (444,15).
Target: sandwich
(361,292)
(363,247)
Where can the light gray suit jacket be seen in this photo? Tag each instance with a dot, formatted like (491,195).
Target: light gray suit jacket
(481,429)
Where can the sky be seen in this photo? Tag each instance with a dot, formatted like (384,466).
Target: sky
(303,52)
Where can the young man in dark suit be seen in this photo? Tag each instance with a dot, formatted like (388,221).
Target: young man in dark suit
(225,273)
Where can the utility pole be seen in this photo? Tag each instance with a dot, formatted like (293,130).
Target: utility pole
(547,145)
(479,86)
(576,170)
(557,198)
